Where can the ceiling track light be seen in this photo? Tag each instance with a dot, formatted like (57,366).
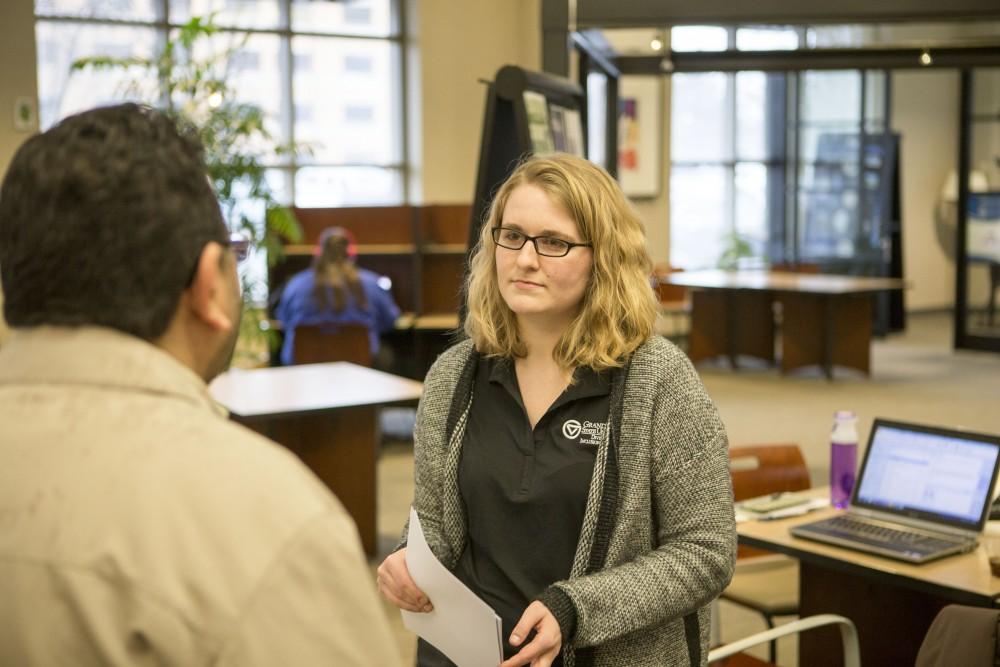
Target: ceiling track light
(925,58)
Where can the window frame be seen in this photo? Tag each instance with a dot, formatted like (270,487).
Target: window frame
(289,166)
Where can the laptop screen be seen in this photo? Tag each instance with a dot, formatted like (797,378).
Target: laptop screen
(928,473)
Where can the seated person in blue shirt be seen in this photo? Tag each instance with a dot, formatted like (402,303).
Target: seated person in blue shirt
(335,291)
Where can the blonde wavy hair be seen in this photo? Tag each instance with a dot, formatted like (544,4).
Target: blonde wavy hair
(618,308)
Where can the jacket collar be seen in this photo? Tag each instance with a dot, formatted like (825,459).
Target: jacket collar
(97,356)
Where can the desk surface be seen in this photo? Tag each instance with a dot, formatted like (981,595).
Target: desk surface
(777,281)
(964,577)
(293,390)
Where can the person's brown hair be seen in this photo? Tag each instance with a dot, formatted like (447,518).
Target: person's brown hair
(102,220)
(336,274)
(619,307)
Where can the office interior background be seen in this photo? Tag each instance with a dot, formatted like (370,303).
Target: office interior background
(395,116)
(391,93)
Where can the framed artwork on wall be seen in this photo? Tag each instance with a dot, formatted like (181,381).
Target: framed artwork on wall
(640,135)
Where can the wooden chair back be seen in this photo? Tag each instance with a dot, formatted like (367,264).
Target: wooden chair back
(315,344)
(757,470)
(666,293)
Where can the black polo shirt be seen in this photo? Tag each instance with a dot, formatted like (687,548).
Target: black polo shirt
(525,490)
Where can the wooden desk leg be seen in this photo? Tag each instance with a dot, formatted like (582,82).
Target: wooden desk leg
(829,335)
(752,324)
(340,447)
(852,324)
(891,621)
(709,336)
(826,330)
(802,331)
(730,323)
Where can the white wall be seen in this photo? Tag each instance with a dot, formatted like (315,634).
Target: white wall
(17,72)
(925,113)
(457,44)
(17,80)
(655,211)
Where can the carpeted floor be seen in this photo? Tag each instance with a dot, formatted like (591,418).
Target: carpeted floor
(916,377)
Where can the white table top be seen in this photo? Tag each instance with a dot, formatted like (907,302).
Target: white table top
(289,390)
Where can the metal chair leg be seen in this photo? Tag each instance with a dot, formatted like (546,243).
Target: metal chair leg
(772,647)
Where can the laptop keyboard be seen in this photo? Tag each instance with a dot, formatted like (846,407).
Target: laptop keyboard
(876,535)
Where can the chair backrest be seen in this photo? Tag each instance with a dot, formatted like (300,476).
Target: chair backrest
(316,344)
(665,292)
(761,469)
(960,635)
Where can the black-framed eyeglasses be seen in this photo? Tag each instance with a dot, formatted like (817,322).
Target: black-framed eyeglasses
(546,246)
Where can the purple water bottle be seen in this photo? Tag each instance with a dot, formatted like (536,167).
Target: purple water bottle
(843,457)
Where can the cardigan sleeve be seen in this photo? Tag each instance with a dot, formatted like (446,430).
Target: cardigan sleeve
(432,484)
(693,532)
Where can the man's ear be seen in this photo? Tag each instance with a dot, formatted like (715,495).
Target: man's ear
(209,292)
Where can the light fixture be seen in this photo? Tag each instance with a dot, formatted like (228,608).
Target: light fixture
(925,58)
(656,44)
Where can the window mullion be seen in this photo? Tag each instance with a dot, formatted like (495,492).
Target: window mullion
(287,73)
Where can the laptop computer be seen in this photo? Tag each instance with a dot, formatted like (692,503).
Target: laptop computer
(923,493)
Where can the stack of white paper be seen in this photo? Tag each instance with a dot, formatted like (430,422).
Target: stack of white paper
(462,626)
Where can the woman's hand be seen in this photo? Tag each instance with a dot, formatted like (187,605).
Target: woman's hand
(394,583)
(543,649)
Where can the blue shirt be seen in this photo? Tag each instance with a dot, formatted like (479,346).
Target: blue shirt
(298,307)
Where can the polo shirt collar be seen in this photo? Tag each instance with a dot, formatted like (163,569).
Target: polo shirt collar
(588,382)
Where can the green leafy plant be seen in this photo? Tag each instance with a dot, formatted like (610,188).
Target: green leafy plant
(193,88)
(735,247)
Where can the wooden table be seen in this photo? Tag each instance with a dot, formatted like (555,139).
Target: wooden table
(892,603)
(825,320)
(327,415)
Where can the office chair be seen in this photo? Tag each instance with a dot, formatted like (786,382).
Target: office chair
(316,344)
(848,636)
(765,582)
(960,635)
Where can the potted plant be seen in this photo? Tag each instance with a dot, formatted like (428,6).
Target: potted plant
(194,89)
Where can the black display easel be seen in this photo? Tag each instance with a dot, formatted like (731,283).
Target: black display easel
(506,136)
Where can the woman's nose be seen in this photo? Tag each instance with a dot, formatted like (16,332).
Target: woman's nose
(527,254)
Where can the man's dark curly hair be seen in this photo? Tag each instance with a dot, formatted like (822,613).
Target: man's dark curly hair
(102,220)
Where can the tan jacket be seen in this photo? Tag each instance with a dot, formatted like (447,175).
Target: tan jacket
(139,526)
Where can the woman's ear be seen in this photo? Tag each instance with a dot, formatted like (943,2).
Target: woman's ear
(210,290)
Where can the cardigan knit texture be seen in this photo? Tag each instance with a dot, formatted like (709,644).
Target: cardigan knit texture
(658,540)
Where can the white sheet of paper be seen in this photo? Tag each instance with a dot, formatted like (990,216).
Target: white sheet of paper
(462,626)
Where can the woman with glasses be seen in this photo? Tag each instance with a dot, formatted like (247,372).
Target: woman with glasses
(570,468)
(335,291)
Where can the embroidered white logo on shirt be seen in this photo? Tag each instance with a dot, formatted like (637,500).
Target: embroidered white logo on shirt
(589,433)
(571,429)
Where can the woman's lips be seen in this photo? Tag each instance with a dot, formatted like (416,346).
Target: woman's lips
(525,284)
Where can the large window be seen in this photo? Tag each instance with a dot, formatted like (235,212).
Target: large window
(328,74)
(727,149)
(766,167)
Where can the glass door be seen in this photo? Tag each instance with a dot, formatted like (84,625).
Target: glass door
(977,320)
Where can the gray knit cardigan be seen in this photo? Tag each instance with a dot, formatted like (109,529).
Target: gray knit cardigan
(658,541)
